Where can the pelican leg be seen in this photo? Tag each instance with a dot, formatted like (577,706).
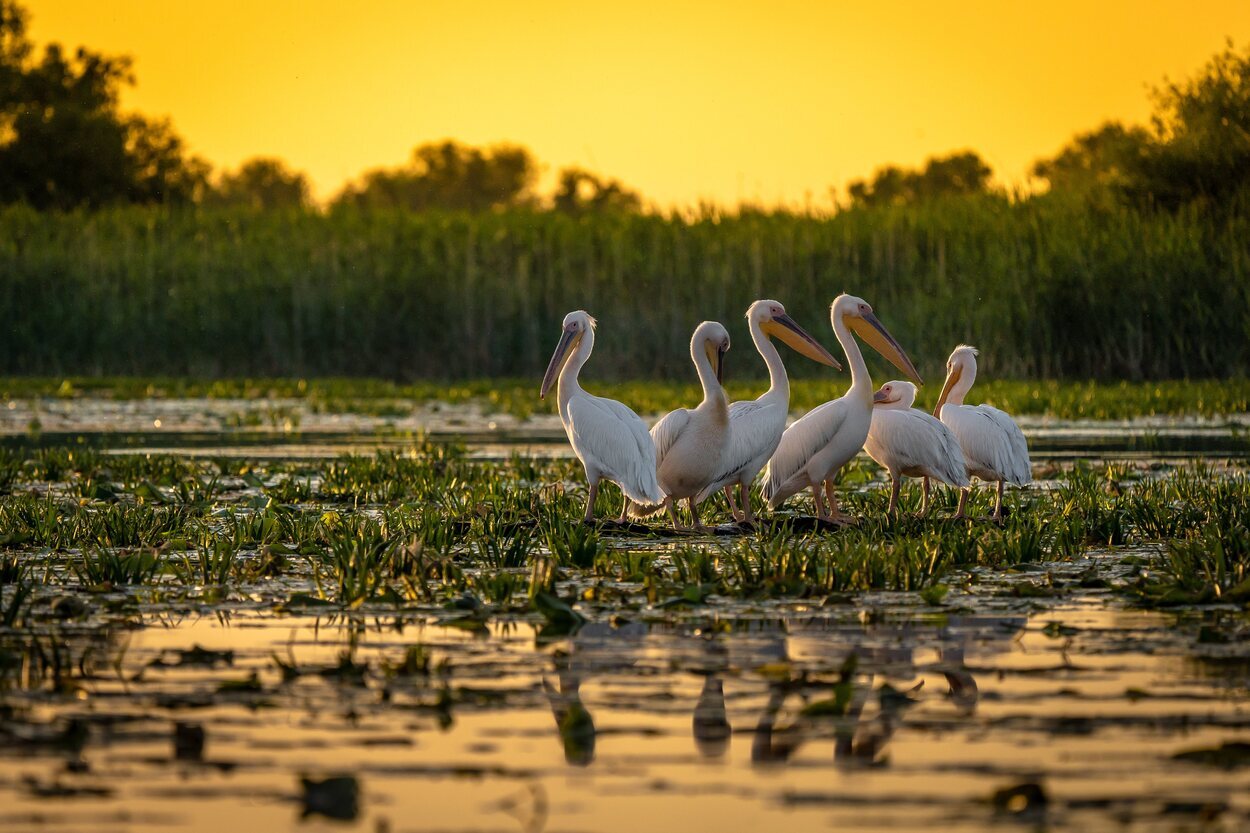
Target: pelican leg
(671,506)
(733,506)
(748,514)
(694,513)
(998,504)
(924,498)
(624,518)
(895,483)
(835,514)
(820,502)
(963,501)
(590,503)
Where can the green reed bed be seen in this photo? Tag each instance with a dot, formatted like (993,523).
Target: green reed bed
(1051,287)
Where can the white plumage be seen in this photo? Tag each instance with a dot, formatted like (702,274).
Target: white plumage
(911,443)
(756,425)
(609,438)
(690,443)
(813,449)
(994,447)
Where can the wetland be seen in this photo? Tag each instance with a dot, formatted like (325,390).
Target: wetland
(248,611)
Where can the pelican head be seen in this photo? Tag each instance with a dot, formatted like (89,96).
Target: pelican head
(895,394)
(857,316)
(576,325)
(711,339)
(961,370)
(773,321)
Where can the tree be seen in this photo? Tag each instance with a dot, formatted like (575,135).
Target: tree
(450,175)
(1201,136)
(581,192)
(262,183)
(1108,157)
(63,141)
(958,173)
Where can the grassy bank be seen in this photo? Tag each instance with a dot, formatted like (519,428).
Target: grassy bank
(1047,288)
(519,397)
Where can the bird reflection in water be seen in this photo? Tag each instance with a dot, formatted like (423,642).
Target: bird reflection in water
(573,721)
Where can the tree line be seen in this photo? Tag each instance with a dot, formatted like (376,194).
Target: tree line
(65,143)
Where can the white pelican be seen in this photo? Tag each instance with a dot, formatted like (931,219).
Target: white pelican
(909,442)
(610,439)
(756,425)
(823,440)
(994,446)
(689,444)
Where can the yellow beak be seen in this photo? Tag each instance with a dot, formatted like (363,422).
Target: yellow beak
(784,328)
(951,379)
(876,336)
(567,341)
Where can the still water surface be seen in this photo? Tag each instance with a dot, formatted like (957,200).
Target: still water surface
(871,712)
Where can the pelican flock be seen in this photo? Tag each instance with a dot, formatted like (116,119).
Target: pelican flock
(694,453)
(825,439)
(756,425)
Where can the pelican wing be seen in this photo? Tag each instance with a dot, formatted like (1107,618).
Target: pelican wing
(799,444)
(615,439)
(991,439)
(665,432)
(752,435)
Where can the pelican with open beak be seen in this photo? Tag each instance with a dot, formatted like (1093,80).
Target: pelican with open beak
(994,446)
(610,439)
(813,449)
(691,443)
(756,425)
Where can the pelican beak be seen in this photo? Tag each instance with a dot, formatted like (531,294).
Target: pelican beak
(880,397)
(784,328)
(558,358)
(876,336)
(716,358)
(951,379)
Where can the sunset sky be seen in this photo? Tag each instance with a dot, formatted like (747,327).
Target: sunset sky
(770,102)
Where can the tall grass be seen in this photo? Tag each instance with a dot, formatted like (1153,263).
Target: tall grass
(1046,287)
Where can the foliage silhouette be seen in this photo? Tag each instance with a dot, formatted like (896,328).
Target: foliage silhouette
(63,141)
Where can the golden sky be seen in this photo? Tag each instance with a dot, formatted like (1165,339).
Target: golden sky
(765,101)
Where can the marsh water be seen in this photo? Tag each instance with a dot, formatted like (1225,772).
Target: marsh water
(1031,699)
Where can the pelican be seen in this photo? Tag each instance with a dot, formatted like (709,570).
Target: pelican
(690,443)
(756,425)
(909,442)
(994,446)
(823,440)
(609,438)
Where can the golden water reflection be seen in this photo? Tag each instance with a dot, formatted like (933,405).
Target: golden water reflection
(802,718)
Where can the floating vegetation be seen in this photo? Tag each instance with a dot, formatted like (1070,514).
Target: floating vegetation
(419,616)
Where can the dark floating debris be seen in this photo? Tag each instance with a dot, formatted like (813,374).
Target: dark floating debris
(1230,755)
(189,742)
(336,797)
